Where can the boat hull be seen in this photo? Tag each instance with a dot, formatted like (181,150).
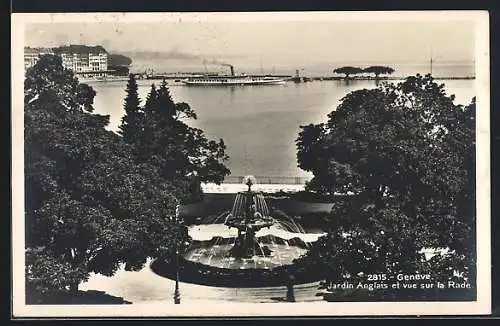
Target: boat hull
(233,83)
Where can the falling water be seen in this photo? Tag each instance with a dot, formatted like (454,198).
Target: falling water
(276,237)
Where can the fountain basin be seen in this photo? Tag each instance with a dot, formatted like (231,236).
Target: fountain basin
(217,256)
(207,261)
(202,274)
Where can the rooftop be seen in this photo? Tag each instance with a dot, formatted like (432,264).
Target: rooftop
(73,48)
(76,48)
(29,50)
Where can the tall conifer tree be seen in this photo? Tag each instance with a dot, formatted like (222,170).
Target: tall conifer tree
(183,154)
(133,120)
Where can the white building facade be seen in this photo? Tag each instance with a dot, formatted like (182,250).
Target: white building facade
(83,60)
(31,55)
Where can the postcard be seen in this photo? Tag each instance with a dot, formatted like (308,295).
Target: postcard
(248,164)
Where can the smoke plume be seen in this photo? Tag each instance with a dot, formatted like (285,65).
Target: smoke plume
(217,62)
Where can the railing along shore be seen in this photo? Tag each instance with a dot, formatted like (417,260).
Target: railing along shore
(268,180)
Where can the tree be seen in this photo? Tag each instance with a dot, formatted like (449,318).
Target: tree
(133,120)
(184,156)
(119,60)
(89,206)
(404,153)
(119,70)
(378,70)
(347,70)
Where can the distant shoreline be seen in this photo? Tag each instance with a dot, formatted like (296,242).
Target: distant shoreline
(309,79)
(335,78)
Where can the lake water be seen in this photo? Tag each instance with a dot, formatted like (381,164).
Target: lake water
(259,124)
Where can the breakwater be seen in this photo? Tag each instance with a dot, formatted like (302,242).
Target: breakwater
(393,78)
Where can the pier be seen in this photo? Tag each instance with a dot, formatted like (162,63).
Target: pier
(391,78)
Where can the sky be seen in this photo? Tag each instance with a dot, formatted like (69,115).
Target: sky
(288,42)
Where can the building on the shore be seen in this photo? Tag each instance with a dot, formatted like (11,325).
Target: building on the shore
(83,60)
(31,55)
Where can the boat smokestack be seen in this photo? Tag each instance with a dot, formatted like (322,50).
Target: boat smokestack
(232,70)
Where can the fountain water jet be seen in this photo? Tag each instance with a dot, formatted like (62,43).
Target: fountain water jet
(249,215)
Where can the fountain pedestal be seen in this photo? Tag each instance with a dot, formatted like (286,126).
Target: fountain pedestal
(245,245)
(249,215)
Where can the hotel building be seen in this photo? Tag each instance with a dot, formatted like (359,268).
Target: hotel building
(87,61)
(31,55)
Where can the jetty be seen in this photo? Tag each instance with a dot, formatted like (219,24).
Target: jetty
(391,78)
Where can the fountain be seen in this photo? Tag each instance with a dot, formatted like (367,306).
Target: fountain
(245,247)
(249,215)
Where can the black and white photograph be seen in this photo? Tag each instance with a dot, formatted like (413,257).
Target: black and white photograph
(251,164)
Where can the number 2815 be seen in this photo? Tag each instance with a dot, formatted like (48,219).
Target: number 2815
(377,277)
